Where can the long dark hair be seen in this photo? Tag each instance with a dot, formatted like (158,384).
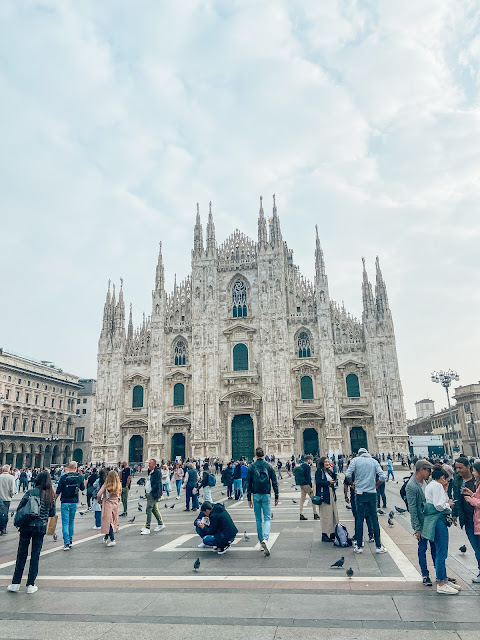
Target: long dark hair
(44,483)
(102,475)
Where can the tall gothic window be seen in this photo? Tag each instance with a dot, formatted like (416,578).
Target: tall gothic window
(137,397)
(239,299)
(306,388)
(180,353)
(178,395)
(353,386)
(303,345)
(240,357)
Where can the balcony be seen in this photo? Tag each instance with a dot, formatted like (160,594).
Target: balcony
(355,402)
(179,409)
(313,403)
(240,377)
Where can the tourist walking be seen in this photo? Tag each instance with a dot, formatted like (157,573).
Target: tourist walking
(108,497)
(415,491)
(165,480)
(473,499)
(464,486)
(390,469)
(205,483)
(68,488)
(90,482)
(435,525)
(303,478)
(227,479)
(237,480)
(190,484)
(178,475)
(96,506)
(367,473)
(34,530)
(7,491)
(126,481)
(325,480)
(153,491)
(261,479)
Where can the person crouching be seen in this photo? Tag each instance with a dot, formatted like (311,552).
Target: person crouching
(221,529)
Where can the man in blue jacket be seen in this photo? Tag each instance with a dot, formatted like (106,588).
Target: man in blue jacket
(68,488)
(221,529)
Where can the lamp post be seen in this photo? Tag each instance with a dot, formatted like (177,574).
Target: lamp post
(445,379)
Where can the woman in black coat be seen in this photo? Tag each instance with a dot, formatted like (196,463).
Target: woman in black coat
(325,479)
(34,531)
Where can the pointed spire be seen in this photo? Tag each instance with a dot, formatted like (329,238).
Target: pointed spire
(319,259)
(380,290)
(160,273)
(367,294)
(198,235)
(130,325)
(275,233)
(107,311)
(211,245)
(262,226)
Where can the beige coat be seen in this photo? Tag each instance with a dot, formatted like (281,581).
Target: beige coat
(109,505)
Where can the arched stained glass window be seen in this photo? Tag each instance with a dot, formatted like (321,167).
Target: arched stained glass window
(353,386)
(239,300)
(306,388)
(180,353)
(240,357)
(137,397)
(179,395)
(303,345)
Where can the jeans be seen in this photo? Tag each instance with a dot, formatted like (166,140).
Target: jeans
(125,499)
(368,519)
(68,511)
(207,494)
(189,494)
(230,489)
(7,504)
(237,486)
(89,496)
(23,544)
(152,507)
(218,540)
(179,486)
(98,518)
(203,532)
(166,489)
(390,473)
(441,546)
(261,503)
(366,506)
(474,541)
(381,494)
(422,555)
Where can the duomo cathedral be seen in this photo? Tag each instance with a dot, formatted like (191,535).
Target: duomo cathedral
(247,352)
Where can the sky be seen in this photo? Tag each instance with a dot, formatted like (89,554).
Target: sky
(117,117)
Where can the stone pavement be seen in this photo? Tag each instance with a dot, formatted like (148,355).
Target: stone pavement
(146,584)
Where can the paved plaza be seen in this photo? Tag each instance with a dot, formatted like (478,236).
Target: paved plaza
(148,581)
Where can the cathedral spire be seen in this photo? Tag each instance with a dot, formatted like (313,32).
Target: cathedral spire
(319,259)
(367,294)
(160,274)
(130,325)
(107,309)
(262,226)
(210,232)
(380,291)
(198,235)
(275,233)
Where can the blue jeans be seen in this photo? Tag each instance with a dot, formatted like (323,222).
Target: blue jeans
(98,518)
(218,540)
(203,532)
(261,503)
(179,486)
(441,546)
(68,511)
(166,489)
(381,494)
(237,486)
(474,541)
(390,473)
(366,507)
(189,494)
(422,555)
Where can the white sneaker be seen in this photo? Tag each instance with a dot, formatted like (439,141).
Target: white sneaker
(112,543)
(357,549)
(381,550)
(96,528)
(32,588)
(159,527)
(446,589)
(454,586)
(145,532)
(177,498)
(265,548)
(202,545)
(13,587)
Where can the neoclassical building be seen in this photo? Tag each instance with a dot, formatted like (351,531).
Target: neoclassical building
(247,351)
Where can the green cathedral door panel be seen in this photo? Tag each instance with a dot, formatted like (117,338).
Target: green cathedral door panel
(135,449)
(310,442)
(178,446)
(243,444)
(358,439)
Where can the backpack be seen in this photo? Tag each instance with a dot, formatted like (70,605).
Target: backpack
(212,481)
(29,511)
(403,489)
(342,539)
(71,486)
(299,475)
(261,479)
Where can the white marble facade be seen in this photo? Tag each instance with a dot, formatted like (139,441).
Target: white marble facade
(308,378)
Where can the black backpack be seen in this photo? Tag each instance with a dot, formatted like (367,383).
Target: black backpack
(403,489)
(261,478)
(299,475)
(71,486)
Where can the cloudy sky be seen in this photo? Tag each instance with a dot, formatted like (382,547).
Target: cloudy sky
(363,118)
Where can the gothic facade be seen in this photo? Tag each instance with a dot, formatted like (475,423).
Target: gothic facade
(247,351)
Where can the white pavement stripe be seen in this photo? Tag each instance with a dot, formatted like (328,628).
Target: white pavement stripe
(176,545)
(409,572)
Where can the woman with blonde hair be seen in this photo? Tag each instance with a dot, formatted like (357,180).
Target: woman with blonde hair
(109,498)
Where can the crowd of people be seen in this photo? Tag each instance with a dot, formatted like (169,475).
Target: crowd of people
(436,494)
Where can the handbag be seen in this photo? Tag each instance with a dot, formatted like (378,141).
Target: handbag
(29,511)
(52,525)
(317,500)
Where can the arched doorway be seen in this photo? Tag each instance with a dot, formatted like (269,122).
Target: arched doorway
(56,455)
(10,457)
(19,461)
(178,446)
(78,456)
(47,461)
(135,449)
(310,442)
(358,439)
(243,444)
(66,455)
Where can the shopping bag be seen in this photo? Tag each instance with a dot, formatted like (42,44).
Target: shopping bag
(52,525)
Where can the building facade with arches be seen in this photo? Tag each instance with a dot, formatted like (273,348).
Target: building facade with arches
(246,351)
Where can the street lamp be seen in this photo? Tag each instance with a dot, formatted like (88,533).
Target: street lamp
(445,379)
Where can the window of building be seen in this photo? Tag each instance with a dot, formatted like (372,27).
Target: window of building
(42,426)
(36,399)
(60,404)
(53,389)
(84,411)
(79,435)
(53,402)
(34,422)
(9,378)
(84,401)
(179,395)
(8,393)
(50,425)
(239,300)
(46,387)
(240,357)
(303,345)
(4,422)
(28,383)
(38,385)
(24,424)
(58,427)
(353,386)
(27,397)
(14,424)
(306,388)
(45,401)
(17,396)
(78,412)
(137,397)
(78,400)
(180,353)
(19,381)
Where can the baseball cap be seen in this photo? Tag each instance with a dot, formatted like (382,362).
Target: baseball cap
(423,464)
(362,450)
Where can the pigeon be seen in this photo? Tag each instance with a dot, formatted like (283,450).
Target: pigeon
(82,504)
(380,512)
(296,488)
(390,522)
(222,493)
(82,513)
(165,505)
(196,564)
(173,506)
(293,486)
(246,536)
(55,537)
(338,564)
(12,513)
(132,520)
(463,549)
(350,573)
(391,514)
(294,501)
(400,510)
(348,507)
(139,507)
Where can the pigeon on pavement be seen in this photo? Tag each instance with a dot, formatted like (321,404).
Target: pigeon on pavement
(139,507)
(338,564)
(196,564)
(82,513)
(350,573)
(391,514)
(380,512)
(400,510)
(294,501)
(390,522)
(463,549)
(132,520)
(173,506)
(246,536)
